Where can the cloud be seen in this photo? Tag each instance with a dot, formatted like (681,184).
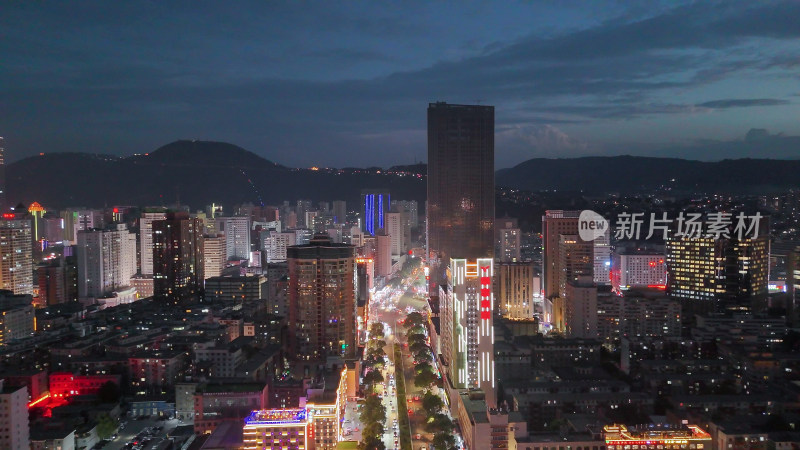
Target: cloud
(518,143)
(742,103)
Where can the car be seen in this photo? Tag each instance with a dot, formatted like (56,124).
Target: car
(417,436)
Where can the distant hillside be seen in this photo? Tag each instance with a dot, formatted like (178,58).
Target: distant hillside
(635,173)
(194,172)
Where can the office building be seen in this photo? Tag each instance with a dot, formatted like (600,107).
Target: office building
(177,258)
(516,289)
(215,403)
(339,212)
(576,259)
(16,320)
(106,261)
(376,204)
(16,255)
(602,258)
(237,236)
(383,255)
(235,289)
(580,316)
(52,285)
(619,437)
(638,268)
(2,176)
(322,303)
(460,210)
(303,206)
(396,231)
(214,254)
(508,240)
(14,411)
(276,243)
(467,326)
(709,274)
(146,239)
(554,224)
(409,209)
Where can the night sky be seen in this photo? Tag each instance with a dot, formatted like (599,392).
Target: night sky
(348,83)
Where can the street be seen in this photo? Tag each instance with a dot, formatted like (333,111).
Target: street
(390,308)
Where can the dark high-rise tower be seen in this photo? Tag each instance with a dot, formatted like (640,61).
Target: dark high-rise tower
(460,214)
(2,176)
(177,257)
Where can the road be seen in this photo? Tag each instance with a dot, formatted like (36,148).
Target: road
(390,308)
(134,427)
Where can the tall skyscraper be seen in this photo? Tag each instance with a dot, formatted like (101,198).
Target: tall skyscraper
(575,260)
(237,236)
(322,299)
(602,258)
(106,260)
(467,326)
(149,215)
(460,214)
(2,176)
(508,240)
(340,211)
(215,255)
(516,290)
(554,224)
(16,255)
(395,230)
(709,274)
(178,264)
(376,204)
(409,208)
(276,244)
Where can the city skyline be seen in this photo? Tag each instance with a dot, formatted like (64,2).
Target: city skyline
(344,85)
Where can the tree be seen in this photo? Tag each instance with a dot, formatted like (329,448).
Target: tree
(371,443)
(417,338)
(106,426)
(373,429)
(423,367)
(444,441)
(432,403)
(423,356)
(417,347)
(373,377)
(377,344)
(439,423)
(109,392)
(373,410)
(413,319)
(424,379)
(376,330)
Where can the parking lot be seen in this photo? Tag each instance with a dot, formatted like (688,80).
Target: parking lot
(145,434)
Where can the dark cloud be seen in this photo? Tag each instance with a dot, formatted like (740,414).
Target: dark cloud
(306,88)
(742,103)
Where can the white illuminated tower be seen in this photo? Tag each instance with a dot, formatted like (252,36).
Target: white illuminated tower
(468,332)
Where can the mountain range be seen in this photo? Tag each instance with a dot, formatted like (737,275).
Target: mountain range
(200,172)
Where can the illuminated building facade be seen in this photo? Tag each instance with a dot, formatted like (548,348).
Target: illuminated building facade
(376,205)
(516,290)
(37,211)
(638,269)
(508,240)
(276,428)
(16,255)
(467,325)
(692,437)
(146,239)
(237,236)
(317,426)
(554,224)
(460,210)
(322,299)
(67,384)
(214,255)
(106,260)
(709,274)
(178,264)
